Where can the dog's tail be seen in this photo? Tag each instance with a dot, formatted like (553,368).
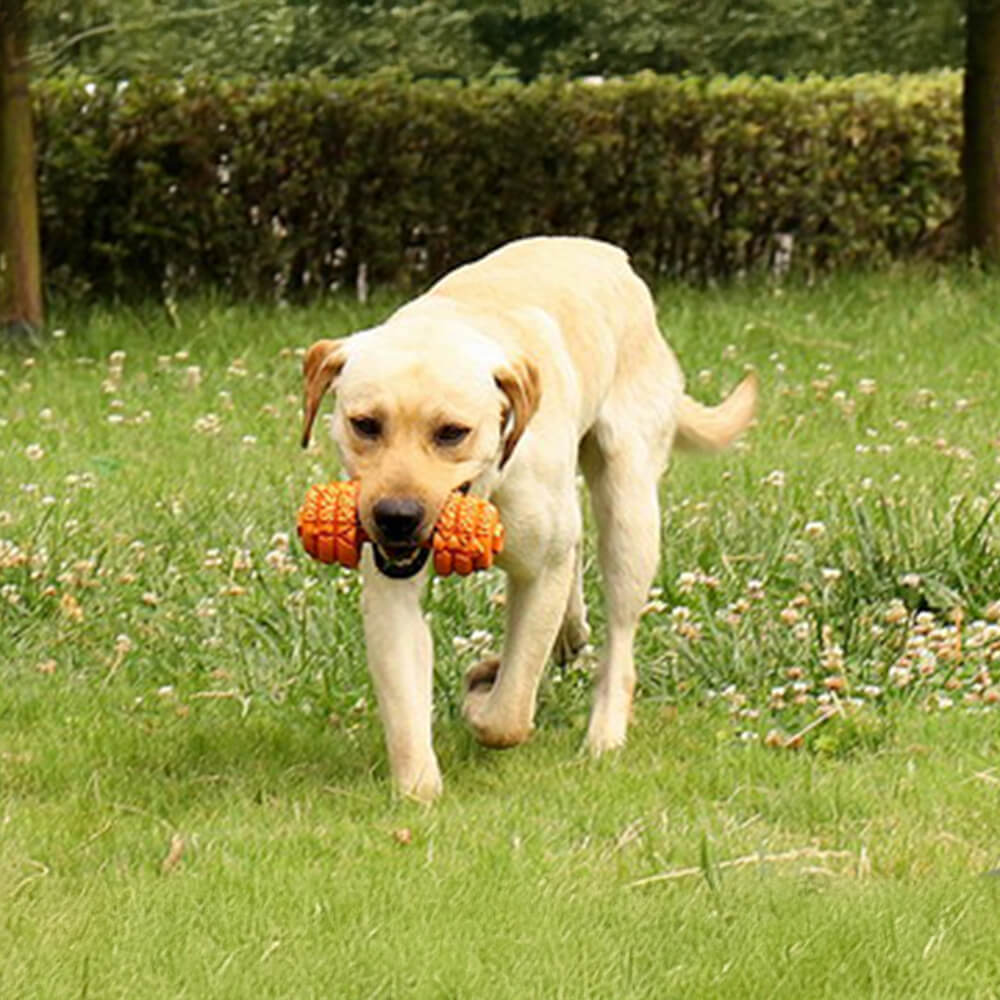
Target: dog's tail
(712,428)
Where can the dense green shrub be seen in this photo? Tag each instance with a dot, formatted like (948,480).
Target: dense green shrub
(294,186)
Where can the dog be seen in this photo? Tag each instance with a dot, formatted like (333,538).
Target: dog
(503,380)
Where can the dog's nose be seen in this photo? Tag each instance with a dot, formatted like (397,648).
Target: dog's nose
(398,518)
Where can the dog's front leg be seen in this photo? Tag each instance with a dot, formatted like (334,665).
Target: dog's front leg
(500,694)
(401,662)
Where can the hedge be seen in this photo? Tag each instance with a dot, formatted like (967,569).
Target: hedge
(295,186)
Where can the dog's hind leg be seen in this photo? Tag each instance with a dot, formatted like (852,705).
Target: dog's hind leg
(575,632)
(623,486)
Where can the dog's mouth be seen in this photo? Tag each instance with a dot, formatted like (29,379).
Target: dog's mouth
(400,562)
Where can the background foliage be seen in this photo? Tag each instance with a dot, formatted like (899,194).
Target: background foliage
(466,39)
(293,187)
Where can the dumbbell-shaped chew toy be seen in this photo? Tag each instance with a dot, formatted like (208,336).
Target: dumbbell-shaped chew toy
(467,536)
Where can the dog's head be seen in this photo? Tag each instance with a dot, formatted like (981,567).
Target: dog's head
(420,412)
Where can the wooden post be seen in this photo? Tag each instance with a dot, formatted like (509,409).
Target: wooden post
(20,254)
(981,124)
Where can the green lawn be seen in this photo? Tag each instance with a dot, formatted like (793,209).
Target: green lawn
(193,793)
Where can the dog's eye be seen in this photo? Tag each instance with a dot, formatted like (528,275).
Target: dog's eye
(366,427)
(448,434)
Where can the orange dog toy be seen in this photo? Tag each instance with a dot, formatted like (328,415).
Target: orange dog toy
(467,536)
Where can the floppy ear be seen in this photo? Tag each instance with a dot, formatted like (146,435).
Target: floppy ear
(323,362)
(521,384)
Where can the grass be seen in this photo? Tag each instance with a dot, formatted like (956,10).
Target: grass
(193,791)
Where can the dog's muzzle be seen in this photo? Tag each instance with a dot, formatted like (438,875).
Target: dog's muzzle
(398,550)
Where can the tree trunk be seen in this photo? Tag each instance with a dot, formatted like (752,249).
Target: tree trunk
(981,123)
(20,256)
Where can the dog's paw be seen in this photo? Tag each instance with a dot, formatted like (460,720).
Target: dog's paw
(483,715)
(477,686)
(606,732)
(415,774)
(571,641)
(599,744)
(480,677)
(424,787)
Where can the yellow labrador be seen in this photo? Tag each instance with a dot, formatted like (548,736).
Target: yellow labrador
(502,380)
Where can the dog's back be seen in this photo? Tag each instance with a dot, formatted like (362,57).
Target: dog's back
(603,312)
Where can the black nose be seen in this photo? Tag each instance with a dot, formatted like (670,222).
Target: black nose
(398,518)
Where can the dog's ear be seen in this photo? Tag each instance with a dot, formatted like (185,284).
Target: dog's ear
(520,382)
(323,362)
